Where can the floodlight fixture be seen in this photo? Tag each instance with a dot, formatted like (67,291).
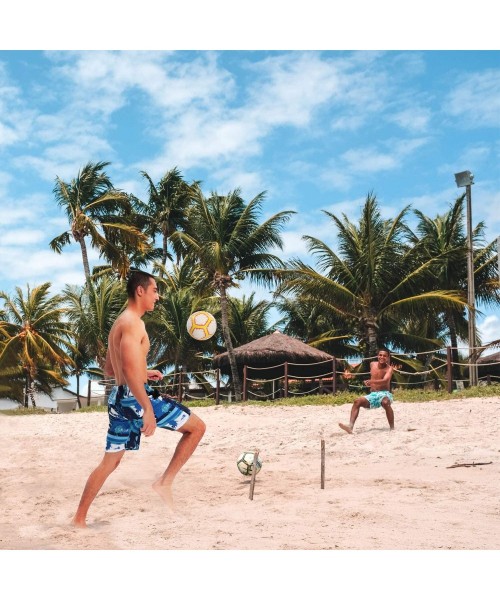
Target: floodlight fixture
(464,178)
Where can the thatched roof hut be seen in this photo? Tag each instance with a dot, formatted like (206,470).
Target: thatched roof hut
(266,356)
(489,365)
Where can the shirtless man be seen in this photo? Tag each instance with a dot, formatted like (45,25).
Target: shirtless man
(131,409)
(379,384)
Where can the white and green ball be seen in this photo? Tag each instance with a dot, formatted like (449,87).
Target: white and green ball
(245,463)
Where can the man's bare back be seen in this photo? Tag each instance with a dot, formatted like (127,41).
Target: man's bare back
(128,329)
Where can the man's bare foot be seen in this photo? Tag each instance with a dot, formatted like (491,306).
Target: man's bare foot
(345,427)
(165,493)
(78,523)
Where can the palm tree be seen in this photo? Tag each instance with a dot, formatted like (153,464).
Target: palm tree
(444,238)
(304,318)
(166,209)
(375,281)
(92,310)
(83,329)
(12,383)
(224,236)
(97,210)
(248,318)
(35,340)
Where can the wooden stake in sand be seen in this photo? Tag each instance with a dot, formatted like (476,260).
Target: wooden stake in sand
(472,464)
(322,464)
(254,473)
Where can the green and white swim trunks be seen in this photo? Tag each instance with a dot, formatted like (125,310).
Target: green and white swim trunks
(375,398)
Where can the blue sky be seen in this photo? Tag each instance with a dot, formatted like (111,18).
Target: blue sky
(313,129)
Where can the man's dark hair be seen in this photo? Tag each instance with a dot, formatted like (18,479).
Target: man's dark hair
(384,350)
(136,279)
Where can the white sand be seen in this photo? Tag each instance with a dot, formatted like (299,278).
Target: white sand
(383,490)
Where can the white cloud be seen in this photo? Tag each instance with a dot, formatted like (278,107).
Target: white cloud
(367,160)
(250,183)
(293,245)
(102,79)
(489,330)
(37,266)
(348,122)
(23,237)
(336,177)
(15,119)
(431,204)
(485,203)
(8,135)
(22,210)
(137,187)
(413,119)
(63,161)
(341,173)
(476,100)
(286,92)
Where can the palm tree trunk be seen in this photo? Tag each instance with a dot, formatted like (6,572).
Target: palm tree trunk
(32,396)
(229,344)
(164,250)
(78,390)
(371,334)
(455,367)
(30,392)
(369,330)
(26,392)
(85,258)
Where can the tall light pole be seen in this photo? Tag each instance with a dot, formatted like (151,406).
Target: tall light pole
(466,179)
(498,256)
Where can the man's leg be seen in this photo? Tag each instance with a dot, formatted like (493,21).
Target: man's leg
(94,483)
(386,404)
(192,432)
(360,402)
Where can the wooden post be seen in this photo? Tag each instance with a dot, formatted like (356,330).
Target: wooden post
(334,375)
(244,383)
(217,386)
(254,474)
(449,375)
(286,380)
(179,391)
(89,392)
(322,464)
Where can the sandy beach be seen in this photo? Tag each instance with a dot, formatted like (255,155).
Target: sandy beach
(382,490)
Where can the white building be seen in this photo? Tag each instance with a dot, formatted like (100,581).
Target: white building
(62,399)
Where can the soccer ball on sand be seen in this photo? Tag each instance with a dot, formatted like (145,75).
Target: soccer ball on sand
(201,325)
(245,463)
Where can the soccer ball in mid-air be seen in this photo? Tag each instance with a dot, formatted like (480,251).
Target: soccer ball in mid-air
(245,463)
(201,325)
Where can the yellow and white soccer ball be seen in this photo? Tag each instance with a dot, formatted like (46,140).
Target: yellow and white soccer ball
(245,463)
(201,325)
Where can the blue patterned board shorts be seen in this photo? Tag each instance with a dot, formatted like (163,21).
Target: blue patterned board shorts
(375,398)
(125,418)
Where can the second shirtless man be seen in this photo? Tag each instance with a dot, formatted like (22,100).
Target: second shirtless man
(380,395)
